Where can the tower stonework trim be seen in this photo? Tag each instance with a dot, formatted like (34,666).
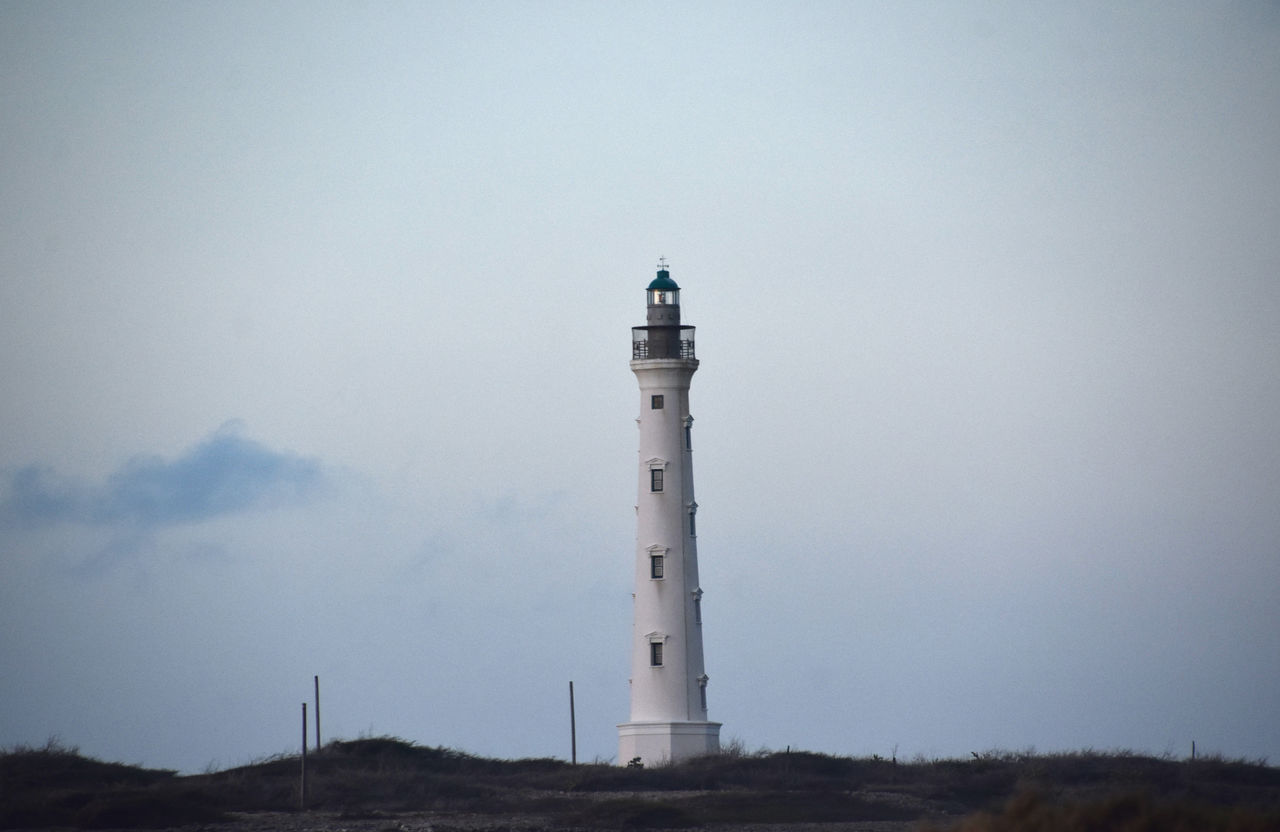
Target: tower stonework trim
(668,720)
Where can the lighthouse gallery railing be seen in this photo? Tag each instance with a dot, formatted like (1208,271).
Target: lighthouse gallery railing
(662,342)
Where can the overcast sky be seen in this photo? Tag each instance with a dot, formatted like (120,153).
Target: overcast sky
(314,342)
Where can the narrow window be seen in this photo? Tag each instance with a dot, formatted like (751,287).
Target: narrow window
(693,528)
(697,609)
(655,654)
(655,402)
(655,479)
(688,437)
(702,693)
(655,566)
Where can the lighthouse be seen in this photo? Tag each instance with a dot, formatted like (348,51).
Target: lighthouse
(668,680)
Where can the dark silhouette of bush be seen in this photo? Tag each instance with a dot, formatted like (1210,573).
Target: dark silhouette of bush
(146,810)
(1127,812)
(632,813)
(54,785)
(379,777)
(57,766)
(791,807)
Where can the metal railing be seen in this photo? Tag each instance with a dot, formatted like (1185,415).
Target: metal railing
(662,342)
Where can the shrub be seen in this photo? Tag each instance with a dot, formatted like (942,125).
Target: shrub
(633,813)
(146,810)
(1129,812)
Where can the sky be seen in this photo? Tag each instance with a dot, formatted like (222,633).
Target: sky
(314,343)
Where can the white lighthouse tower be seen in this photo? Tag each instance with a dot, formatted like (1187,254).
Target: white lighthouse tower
(668,682)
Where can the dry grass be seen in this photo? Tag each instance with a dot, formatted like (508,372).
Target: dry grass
(1129,812)
(56,786)
(379,777)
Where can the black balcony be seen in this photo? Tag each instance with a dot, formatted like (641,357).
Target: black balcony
(662,342)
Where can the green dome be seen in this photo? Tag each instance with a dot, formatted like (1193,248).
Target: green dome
(663,282)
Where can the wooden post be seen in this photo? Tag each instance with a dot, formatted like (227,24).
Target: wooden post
(317,713)
(302,790)
(573,728)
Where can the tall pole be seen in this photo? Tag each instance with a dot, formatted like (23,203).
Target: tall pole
(573,728)
(317,713)
(302,790)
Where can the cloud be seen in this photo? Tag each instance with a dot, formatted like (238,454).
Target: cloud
(37,497)
(224,475)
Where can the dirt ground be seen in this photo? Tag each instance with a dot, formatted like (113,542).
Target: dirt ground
(449,822)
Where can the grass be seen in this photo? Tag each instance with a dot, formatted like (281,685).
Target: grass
(56,786)
(379,777)
(1128,812)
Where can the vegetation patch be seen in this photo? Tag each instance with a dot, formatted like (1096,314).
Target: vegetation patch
(146,810)
(792,807)
(371,783)
(55,786)
(632,813)
(1130,812)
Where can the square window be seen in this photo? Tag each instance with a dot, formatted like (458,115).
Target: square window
(655,479)
(655,402)
(655,654)
(655,566)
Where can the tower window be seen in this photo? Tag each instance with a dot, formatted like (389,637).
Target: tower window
(655,402)
(693,528)
(702,694)
(655,479)
(688,437)
(655,566)
(655,654)
(697,609)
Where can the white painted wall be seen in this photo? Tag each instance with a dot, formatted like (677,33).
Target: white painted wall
(667,720)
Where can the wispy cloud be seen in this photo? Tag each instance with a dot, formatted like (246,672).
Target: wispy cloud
(225,474)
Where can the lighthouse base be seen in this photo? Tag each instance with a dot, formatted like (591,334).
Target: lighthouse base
(655,743)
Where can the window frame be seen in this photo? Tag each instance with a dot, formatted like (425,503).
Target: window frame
(655,654)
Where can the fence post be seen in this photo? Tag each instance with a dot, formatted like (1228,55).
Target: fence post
(317,713)
(573,728)
(302,790)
